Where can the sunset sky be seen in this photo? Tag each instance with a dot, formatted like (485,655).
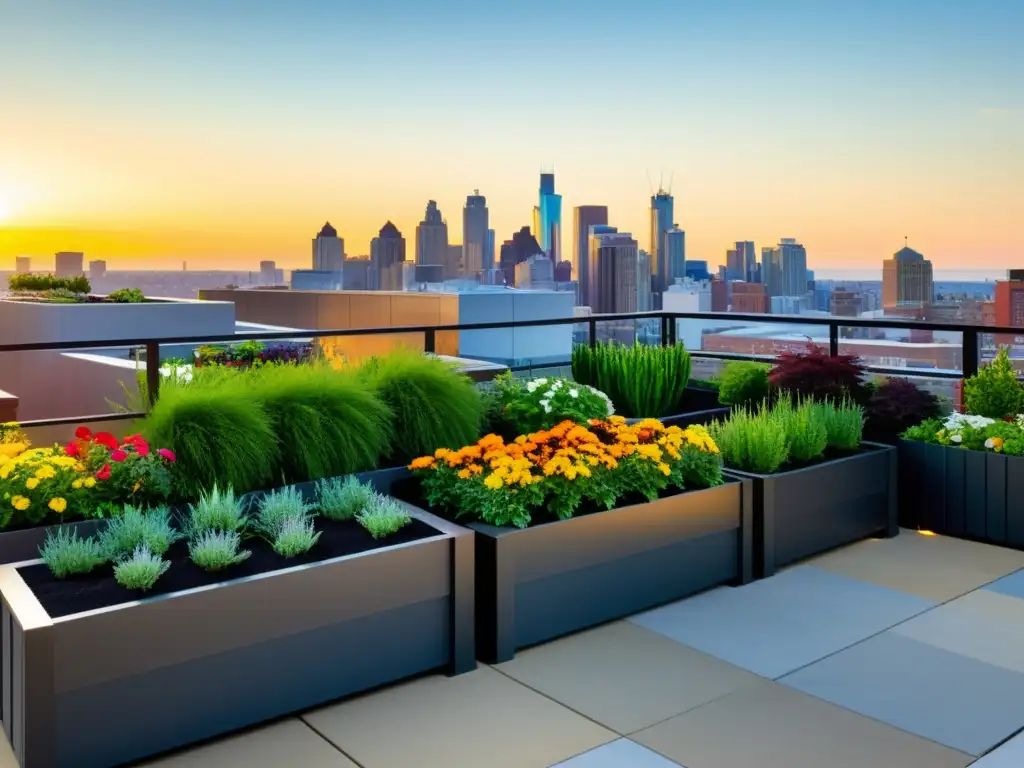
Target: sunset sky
(149,132)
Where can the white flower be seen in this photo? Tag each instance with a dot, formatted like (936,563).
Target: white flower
(546,405)
(960,420)
(956,438)
(574,393)
(990,443)
(532,386)
(556,384)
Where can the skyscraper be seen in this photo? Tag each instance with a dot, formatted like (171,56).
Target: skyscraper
(588,291)
(432,238)
(97,269)
(387,255)
(514,252)
(328,250)
(453,266)
(585,217)
(69,264)
(906,280)
(644,298)
(674,242)
(23,265)
(550,215)
(784,268)
(662,218)
(474,235)
(741,262)
(615,260)
(489,253)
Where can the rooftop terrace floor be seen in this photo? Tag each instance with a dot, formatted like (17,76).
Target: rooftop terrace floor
(906,652)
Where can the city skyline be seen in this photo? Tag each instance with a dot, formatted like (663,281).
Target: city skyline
(229,144)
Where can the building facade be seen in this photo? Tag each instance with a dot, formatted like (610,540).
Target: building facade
(549,211)
(432,238)
(69,264)
(585,217)
(23,265)
(97,269)
(387,255)
(749,298)
(475,223)
(614,263)
(674,242)
(537,273)
(328,250)
(662,219)
(907,281)
(784,268)
(741,262)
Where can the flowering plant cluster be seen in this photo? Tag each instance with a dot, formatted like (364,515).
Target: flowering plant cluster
(253,353)
(975,433)
(518,408)
(129,471)
(40,481)
(558,469)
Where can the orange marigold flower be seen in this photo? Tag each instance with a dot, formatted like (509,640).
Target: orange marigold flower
(464,474)
(423,462)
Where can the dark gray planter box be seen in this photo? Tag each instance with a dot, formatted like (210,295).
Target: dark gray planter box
(956,492)
(183,667)
(705,405)
(18,546)
(808,511)
(537,583)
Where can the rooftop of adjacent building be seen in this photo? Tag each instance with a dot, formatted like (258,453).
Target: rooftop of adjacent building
(327,231)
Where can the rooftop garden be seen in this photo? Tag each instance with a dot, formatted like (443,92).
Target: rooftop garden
(51,289)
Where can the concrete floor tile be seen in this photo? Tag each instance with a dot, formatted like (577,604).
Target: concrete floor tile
(770,726)
(619,754)
(933,567)
(777,625)
(288,742)
(1012,585)
(1009,755)
(984,625)
(950,699)
(624,676)
(481,718)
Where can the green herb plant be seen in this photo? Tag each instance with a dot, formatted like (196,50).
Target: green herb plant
(136,527)
(140,570)
(994,390)
(805,429)
(296,536)
(342,499)
(65,553)
(844,424)
(216,510)
(752,440)
(384,516)
(126,296)
(743,383)
(641,380)
(216,550)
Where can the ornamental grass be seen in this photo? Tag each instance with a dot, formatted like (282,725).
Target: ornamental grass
(555,471)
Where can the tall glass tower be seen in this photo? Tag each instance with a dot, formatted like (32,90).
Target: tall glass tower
(662,218)
(549,213)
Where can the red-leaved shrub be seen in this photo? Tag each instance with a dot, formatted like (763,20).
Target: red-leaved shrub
(817,375)
(896,405)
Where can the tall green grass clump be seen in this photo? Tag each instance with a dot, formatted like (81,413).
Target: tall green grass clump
(328,422)
(220,433)
(804,427)
(641,380)
(433,405)
(844,423)
(752,440)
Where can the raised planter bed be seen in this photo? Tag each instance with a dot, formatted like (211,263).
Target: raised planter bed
(807,511)
(967,494)
(537,583)
(702,408)
(23,543)
(200,662)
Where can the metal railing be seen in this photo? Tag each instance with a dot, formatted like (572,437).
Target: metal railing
(969,365)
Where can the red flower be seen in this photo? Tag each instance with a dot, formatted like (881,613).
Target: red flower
(106,439)
(83,433)
(71,449)
(138,443)
(167,454)
(104,473)
(118,455)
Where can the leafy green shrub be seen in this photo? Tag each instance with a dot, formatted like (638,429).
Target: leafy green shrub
(328,422)
(65,553)
(136,528)
(994,390)
(339,499)
(126,296)
(925,432)
(21,283)
(752,441)
(715,383)
(277,508)
(844,424)
(140,570)
(219,431)
(515,408)
(296,536)
(743,383)
(216,510)
(642,381)
(805,429)
(217,550)
(65,296)
(433,405)
(383,517)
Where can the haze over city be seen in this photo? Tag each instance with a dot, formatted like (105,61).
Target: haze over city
(223,133)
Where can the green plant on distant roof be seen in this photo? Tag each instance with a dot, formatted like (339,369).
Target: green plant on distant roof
(126,296)
(39,282)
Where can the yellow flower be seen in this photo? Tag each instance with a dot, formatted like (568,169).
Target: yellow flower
(45,472)
(20,503)
(89,482)
(5,469)
(665,469)
(494,481)
(58,505)
(10,450)
(31,483)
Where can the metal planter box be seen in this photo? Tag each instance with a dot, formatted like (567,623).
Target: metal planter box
(808,511)
(198,663)
(956,492)
(537,583)
(705,409)
(23,544)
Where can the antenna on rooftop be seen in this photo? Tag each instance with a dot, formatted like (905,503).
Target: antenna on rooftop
(671,178)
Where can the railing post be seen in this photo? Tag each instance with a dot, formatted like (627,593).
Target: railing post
(833,339)
(969,364)
(429,340)
(672,330)
(592,329)
(664,331)
(152,371)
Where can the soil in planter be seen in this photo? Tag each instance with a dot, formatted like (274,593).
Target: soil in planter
(63,597)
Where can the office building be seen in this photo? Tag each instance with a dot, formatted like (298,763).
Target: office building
(69,264)
(784,268)
(387,255)
(588,291)
(358,274)
(550,218)
(23,265)
(453,266)
(514,252)
(536,273)
(1008,306)
(644,295)
(328,250)
(563,271)
(697,270)
(614,260)
(489,253)
(585,217)
(749,298)
(319,279)
(662,218)
(845,303)
(432,238)
(906,281)
(475,224)
(674,241)
(720,295)
(741,262)
(97,269)
(788,305)
(268,273)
